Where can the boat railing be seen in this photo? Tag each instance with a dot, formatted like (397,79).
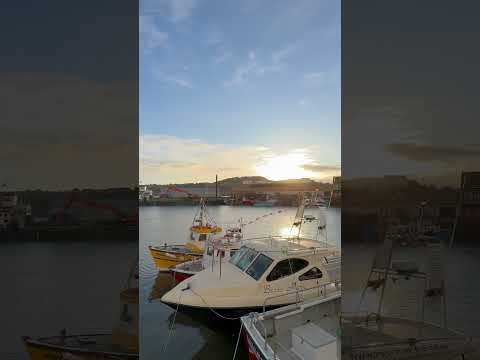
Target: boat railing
(274,345)
(322,293)
(324,246)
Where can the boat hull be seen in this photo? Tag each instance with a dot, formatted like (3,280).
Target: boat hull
(165,259)
(42,350)
(179,276)
(253,350)
(218,316)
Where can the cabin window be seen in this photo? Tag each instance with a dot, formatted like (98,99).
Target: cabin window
(246,259)
(235,257)
(286,267)
(312,274)
(259,266)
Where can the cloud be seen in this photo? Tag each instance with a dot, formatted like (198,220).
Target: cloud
(214,38)
(314,79)
(321,168)
(150,35)
(303,103)
(181,9)
(166,159)
(175,10)
(255,67)
(176,79)
(170,159)
(283,54)
(222,56)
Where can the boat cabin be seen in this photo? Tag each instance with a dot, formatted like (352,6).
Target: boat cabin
(264,272)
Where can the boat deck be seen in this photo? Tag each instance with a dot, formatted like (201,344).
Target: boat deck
(280,326)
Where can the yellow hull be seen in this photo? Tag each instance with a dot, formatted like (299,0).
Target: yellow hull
(165,259)
(44,351)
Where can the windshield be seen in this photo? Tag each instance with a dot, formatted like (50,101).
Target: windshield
(235,256)
(246,259)
(259,266)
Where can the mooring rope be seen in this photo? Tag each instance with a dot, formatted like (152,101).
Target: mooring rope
(238,341)
(212,309)
(172,324)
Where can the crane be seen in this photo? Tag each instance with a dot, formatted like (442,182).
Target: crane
(173,188)
(121,217)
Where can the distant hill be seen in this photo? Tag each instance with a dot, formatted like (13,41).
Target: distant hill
(230,183)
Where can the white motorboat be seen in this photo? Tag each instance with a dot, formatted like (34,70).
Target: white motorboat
(265,273)
(307,331)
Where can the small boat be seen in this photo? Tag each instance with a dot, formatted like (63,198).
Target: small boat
(247,202)
(121,343)
(218,250)
(264,273)
(265,203)
(306,330)
(168,256)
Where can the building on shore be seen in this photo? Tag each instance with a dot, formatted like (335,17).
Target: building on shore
(12,214)
(286,192)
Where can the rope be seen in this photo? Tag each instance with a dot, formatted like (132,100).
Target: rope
(238,341)
(172,324)
(213,310)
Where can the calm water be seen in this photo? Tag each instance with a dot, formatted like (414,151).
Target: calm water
(193,340)
(90,276)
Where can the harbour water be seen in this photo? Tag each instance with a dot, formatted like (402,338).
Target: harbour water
(71,285)
(191,339)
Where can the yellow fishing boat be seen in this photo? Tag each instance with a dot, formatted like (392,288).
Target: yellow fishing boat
(121,343)
(168,256)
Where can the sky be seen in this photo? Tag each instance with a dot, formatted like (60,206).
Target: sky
(239,88)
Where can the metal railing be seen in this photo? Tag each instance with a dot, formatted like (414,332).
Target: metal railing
(322,293)
(297,292)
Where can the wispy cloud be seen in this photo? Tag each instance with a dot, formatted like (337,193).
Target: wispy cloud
(303,103)
(165,159)
(214,37)
(283,54)
(173,79)
(150,35)
(255,67)
(175,10)
(222,56)
(314,79)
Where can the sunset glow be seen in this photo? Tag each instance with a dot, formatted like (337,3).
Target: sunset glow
(283,167)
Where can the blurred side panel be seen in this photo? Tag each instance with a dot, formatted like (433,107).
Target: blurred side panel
(69,178)
(410,178)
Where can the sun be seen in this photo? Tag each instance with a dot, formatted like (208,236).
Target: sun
(283,167)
